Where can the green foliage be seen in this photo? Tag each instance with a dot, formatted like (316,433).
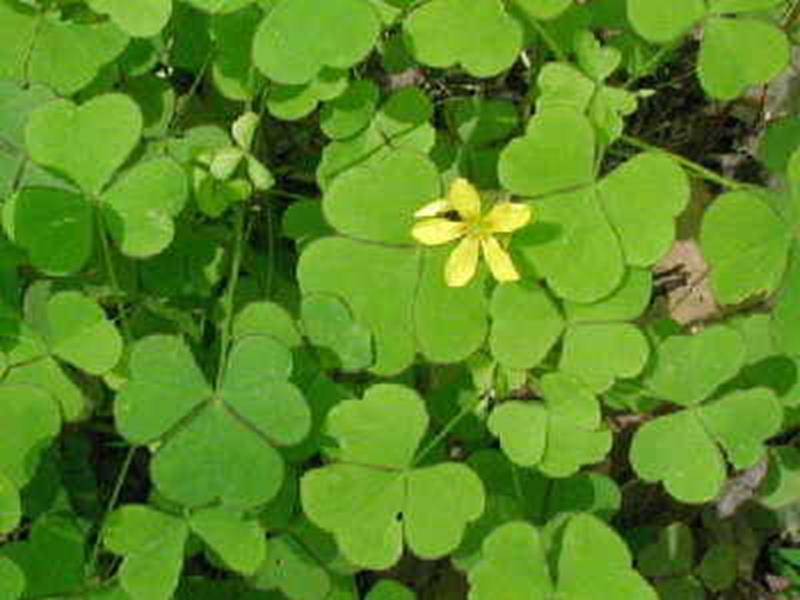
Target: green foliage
(229,370)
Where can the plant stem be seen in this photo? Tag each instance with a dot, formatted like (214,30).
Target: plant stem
(690,165)
(439,437)
(227,302)
(112,274)
(112,502)
(550,41)
(791,16)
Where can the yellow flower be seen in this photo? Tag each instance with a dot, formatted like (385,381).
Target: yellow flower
(477,230)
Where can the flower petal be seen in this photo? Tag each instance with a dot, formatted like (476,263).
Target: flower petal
(434,209)
(498,260)
(432,232)
(464,198)
(462,262)
(506,217)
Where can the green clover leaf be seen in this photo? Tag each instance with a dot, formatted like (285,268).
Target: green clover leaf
(302,562)
(239,542)
(16,104)
(298,38)
(142,19)
(598,347)
(39,47)
(543,9)
(138,209)
(402,122)
(737,51)
(584,89)
(70,327)
(786,314)
(754,260)
(33,420)
(590,556)
(57,129)
(152,543)
(687,370)
(228,434)
(292,102)
(513,493)
(51,558)
(352,111)
(557,436)
(233,71)
(477,34)
(12,579)
(375,470)
(10,508)
(328,324)
(394,289)
(586,232)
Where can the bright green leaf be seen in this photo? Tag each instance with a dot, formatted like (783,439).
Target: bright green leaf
(151,543)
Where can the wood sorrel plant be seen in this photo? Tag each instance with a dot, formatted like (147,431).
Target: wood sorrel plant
(259,340)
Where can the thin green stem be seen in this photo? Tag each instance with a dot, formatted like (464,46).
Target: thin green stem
(690,165)
(227,302)
(550,41)
(112,502)
(445,431)
(105,246)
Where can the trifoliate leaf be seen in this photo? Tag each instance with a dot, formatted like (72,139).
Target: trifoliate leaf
(515,560)
(75,141)
(240,543)
(559,435)
(142,19)
(694,471)
(375,469)
(477,34)
(298,38)
(151,543)
(744,260)
(380,281)
(227,433)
